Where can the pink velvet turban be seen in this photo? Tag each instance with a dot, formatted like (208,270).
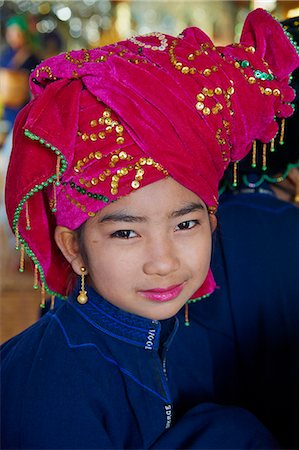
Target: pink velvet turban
(107,121)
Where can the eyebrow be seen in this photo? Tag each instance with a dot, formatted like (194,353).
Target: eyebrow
(120,216)
(187,209)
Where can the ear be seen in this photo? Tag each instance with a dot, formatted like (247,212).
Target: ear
(213,222)
(67,241)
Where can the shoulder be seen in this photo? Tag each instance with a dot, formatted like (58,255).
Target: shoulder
(58,342)
(256,217)
(48,371)
(23,346)
(256,203)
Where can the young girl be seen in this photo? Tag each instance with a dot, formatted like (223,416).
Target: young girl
(113,177)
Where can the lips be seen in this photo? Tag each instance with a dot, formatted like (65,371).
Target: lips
(163,295)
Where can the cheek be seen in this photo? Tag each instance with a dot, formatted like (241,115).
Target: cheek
(199,254)
(108,265)
(112,278)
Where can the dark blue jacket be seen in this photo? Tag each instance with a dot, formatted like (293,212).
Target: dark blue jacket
(256,265)
(94,377)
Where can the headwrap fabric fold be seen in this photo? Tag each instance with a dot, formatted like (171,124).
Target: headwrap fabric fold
(107,121)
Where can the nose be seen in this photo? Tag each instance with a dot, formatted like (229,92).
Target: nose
(161,257)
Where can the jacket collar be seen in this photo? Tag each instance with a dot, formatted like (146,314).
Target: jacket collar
(128,327)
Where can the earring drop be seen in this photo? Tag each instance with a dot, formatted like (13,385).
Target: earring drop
(82,297)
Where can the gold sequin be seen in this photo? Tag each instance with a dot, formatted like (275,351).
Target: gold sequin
(112,125)
(200,97)
(135,184)
(119,128)
(123,155)
(79,205)
(207,109)
(185,70)
(46,69)
(200,106)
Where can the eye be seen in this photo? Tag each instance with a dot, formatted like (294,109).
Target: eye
(124,234)
(187,225)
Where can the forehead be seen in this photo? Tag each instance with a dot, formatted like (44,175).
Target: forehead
(162,197)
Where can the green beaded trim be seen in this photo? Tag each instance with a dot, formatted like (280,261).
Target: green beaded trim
(35,189)
(194,300)
(35,261)
(290,37)
(270,179)
(83,191)
(259,182)
(258,74)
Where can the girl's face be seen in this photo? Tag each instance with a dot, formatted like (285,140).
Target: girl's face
(148,253)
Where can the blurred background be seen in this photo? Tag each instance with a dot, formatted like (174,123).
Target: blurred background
(32,30)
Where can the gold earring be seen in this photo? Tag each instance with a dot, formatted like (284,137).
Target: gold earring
(82,297)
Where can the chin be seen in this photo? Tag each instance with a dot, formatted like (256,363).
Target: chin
(165,314)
